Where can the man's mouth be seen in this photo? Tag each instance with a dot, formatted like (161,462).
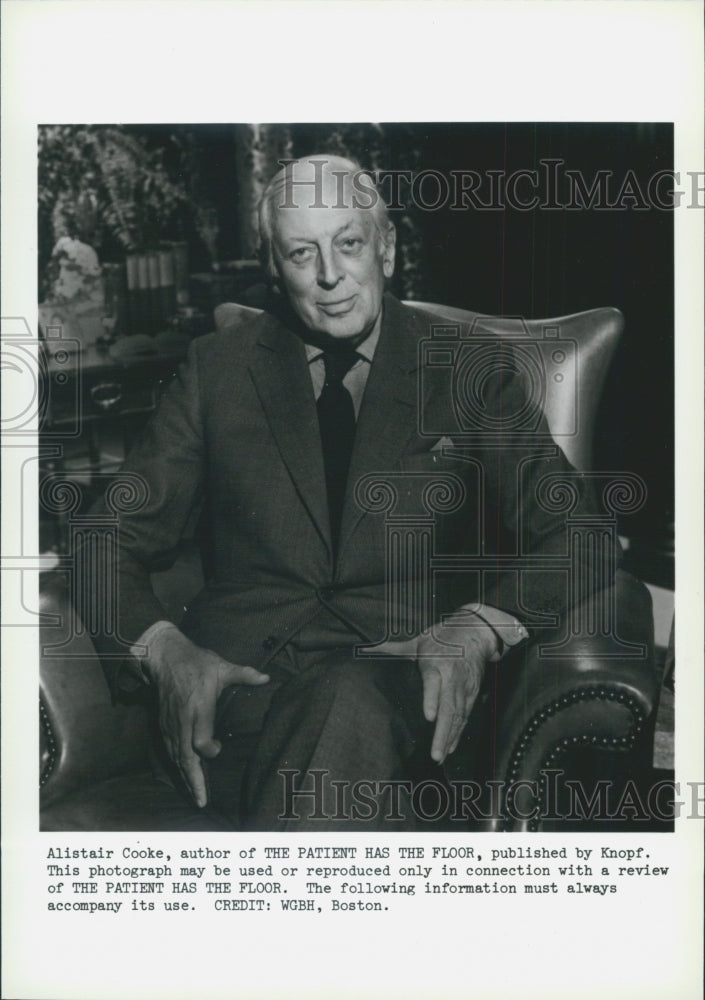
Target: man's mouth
(338,308)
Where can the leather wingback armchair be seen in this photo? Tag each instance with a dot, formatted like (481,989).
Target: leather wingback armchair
(593,696)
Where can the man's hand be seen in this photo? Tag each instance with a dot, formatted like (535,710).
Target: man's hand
(451,682)
(189,681)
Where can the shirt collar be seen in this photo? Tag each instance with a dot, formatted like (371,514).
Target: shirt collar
(366,349)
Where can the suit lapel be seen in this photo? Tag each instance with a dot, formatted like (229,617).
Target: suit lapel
(283,382)
(390,406)
(388,416)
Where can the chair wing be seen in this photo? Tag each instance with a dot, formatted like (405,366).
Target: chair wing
(575,352)
(229,313)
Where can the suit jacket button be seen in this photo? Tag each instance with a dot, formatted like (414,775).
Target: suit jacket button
(270,642)
(326,593)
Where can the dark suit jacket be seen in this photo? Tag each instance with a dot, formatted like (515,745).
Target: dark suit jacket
(237,431)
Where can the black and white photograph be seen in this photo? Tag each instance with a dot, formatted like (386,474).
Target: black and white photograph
(352,535)
(388,550)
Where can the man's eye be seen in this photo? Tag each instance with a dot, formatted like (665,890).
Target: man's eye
(352,243)
(301,255)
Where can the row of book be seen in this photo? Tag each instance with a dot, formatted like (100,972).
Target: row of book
(143,294)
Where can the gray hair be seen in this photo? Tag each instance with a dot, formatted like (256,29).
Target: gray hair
(282,183)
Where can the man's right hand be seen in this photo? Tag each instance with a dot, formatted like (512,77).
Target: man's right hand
(189,681)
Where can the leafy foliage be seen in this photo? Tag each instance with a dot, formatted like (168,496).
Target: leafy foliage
(105,186)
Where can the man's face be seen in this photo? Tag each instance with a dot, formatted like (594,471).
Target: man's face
(333,263)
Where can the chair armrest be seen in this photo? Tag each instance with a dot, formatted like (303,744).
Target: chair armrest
(85,738)
(592,696)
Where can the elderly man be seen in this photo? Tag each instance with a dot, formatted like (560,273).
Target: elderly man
(265,707)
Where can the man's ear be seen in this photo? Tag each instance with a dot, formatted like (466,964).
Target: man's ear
(389,243)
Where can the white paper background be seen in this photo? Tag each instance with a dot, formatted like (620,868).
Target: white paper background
(258,62)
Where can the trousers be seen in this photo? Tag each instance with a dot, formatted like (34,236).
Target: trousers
(330,743)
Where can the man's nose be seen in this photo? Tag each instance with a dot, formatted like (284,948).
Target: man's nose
(330,271)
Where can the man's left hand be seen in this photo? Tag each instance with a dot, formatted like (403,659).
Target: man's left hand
(451,682)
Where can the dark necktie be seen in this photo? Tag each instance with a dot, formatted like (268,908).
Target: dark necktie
(336,418)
